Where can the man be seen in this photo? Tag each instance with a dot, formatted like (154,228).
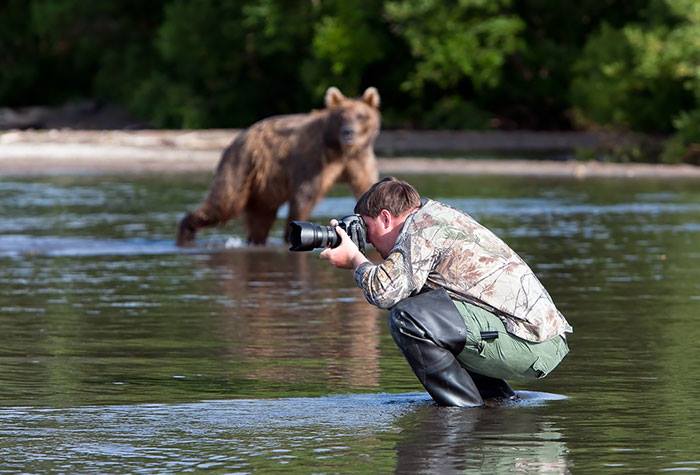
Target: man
(466,311)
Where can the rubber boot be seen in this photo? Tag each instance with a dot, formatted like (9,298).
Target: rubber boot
(492,387)
(435,365)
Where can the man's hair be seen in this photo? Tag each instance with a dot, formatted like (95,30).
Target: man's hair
(391,194)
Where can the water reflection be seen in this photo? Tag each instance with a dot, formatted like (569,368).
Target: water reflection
(288,308)
(172,327)
(112,337)
(18,246)
(494,440)
(404,433)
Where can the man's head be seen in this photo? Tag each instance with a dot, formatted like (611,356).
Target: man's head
(384,208)
(391,194)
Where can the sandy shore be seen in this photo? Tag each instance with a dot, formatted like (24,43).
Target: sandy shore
(98,152)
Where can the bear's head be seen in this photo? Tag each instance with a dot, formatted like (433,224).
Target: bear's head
(353,123)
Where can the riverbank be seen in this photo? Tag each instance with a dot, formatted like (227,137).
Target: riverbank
(169,151)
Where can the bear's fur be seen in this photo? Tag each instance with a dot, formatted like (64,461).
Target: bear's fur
(291,158)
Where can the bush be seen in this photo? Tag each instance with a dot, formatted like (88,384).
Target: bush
(455,113)
(644,77)
(686,139)
(622,80)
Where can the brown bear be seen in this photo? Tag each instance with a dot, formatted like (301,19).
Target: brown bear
(291,158)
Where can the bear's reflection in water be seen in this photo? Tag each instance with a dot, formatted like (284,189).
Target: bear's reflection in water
(290,316)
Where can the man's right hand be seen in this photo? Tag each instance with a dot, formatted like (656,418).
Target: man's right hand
(346,255)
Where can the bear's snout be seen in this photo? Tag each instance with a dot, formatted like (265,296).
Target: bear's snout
(347,135)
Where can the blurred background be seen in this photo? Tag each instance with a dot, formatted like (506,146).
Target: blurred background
(120,352)
(623,65)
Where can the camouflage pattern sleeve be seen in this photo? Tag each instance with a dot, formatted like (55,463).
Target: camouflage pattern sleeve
(443,247)
(398,277)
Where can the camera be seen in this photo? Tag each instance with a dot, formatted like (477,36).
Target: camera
(305,236)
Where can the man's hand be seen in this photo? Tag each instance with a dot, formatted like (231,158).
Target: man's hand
(345,256)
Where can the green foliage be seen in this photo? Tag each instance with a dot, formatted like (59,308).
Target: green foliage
(98,48)
(19,76)
(168,104)
(535,90)
(457,40)
(630,78)
(687,135)
(644,76)
(453,112)
(226,64)
(631,64)
(348,37)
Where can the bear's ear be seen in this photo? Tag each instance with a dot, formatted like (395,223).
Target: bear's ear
(371,97)
(334,97)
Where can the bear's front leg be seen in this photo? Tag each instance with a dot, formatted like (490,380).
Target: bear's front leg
(302,202)
(361,173)
(259,220)
(311,189)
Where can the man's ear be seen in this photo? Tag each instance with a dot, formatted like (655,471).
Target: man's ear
(386,217)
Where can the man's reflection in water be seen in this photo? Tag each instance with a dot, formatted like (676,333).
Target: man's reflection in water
(505,439)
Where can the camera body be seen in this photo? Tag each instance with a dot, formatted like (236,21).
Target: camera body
(305,236)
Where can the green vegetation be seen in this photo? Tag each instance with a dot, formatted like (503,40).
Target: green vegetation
(464,64)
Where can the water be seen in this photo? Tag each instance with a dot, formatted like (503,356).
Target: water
(121,353)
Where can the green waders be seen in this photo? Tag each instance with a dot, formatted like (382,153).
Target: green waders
(505,356)
(462,353)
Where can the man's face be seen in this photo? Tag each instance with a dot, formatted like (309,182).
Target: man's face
(379,233)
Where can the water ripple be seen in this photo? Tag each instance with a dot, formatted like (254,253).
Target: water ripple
(23,245)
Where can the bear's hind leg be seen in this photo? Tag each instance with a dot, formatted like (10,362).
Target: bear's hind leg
(205,216)
(191,222)
(186,230)
(223,203)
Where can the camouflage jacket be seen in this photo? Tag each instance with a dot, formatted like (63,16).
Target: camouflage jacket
(441,247)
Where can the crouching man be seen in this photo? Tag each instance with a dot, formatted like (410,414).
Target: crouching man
(466,311)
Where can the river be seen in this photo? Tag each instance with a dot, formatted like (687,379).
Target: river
(120,352)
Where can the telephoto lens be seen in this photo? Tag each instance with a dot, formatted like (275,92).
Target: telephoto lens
(304,236)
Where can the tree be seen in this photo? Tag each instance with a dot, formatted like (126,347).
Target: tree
(644,76)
